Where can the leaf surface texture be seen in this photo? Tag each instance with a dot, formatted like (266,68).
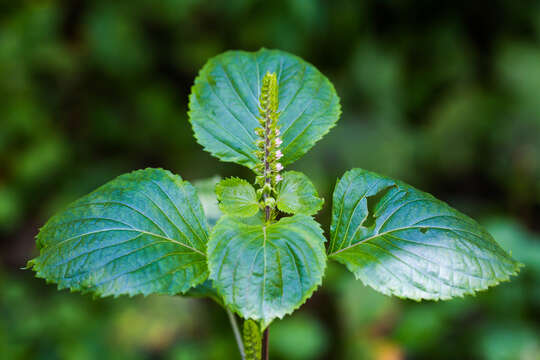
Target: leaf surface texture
(264,271)
(143,232)
(404,242)
(224,100)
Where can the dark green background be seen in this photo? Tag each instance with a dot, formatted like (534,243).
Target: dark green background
(441,94)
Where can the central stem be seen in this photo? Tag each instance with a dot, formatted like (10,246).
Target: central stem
(265,355)
(268,154)
(267,210)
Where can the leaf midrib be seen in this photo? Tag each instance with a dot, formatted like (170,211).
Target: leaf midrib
(124,229)
(399,229)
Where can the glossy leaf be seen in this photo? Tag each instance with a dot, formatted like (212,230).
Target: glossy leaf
(252,340)
(404,242)
(297,195)
(223,107)
(264,271)
(237,197)
(141,233)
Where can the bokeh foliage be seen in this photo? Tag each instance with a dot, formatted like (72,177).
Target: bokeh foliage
(440,94)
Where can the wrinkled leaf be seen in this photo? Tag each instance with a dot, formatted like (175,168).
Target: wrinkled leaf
(264,271)
(223,106)
(297,195)
(141,233)
(404,242)
(237,197)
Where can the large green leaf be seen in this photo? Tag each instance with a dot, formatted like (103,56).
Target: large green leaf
(264,271)
(404,242)
(237,197)
(143,232)
(297,195)
(224,104)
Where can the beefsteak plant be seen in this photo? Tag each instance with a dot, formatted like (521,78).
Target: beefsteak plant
(146,232)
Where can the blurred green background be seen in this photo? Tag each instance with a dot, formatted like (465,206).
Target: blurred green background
(441,94)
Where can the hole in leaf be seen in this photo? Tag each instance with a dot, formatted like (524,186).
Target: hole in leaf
(423,230)
(372,202)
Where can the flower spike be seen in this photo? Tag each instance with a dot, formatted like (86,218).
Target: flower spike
(268,169)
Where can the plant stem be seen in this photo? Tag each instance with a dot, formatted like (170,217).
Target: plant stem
(237,334)
(270,107)
(267,212)
(264,355)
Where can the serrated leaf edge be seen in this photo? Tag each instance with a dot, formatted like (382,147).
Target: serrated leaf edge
(302,301)
(36,267)
(246,162)
(289,210)
(491,282)
(233,179)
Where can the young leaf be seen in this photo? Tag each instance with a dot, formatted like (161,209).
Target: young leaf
(143,232)
(404,242)
(223,105)
(264,270)
(237,197)
(297,195)
(252,340)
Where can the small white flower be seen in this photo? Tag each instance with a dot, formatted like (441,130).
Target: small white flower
(279,167)
(278,178)
(279,154)
(278,141)
(278,132)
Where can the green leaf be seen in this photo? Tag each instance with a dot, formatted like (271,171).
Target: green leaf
(262,270)
(206,188)
(141,233)
(404,242)
(223,106)
(297,195)
(237,197)
(252,340)
(205,290)
(207,195)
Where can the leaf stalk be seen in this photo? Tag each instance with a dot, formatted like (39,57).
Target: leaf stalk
(237,335)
